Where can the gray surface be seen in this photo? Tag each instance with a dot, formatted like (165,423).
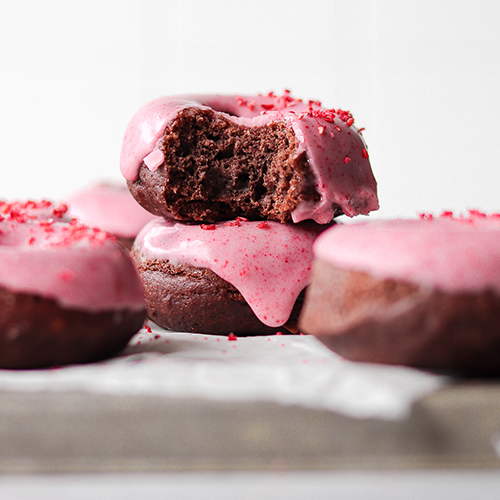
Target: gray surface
(75,432)
(471,484)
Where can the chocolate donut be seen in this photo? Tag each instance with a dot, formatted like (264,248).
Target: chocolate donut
(241,277)
(68,293)
(110,207)
(212,157)
(424,293)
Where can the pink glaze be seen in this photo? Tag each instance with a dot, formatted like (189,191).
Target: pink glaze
(268,262)
(80,268)
(454,255)
(109,207)
(335,149)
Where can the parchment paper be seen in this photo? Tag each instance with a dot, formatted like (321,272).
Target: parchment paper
(286,369)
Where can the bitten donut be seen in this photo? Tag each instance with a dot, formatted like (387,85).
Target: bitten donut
(213,157)
(68,293)
(242,277)
(424,293)
(110,207)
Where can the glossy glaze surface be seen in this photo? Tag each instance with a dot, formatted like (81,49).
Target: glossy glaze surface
(79,267)
(450,254)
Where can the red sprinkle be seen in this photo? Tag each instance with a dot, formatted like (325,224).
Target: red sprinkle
(314,103)
(244,102)
(233,223)
(347,159)
(67,275)
(241,219)
(364,153)
(267,107)
(279,333)
(232,336)
(426,216)
(18,216)
(477,213)
(281,102)
(208,227)
(263,224)
(148,329)
(60,210)
(321,130)
(325,114)
(350,121)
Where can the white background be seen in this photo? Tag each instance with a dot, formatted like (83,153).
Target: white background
(422,77)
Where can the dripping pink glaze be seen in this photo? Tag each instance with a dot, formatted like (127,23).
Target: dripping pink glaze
(454,255)
(269,263)
(109,207)
(335,149)
(78,267)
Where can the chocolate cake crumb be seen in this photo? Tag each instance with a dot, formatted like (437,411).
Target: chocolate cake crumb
(215,169)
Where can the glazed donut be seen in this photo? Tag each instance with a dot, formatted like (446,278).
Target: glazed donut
(68,293)
(110,207)
(241,277)
(423,292)
(213,157)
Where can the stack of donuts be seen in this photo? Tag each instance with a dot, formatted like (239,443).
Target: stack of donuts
(242,186)
(247,189)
